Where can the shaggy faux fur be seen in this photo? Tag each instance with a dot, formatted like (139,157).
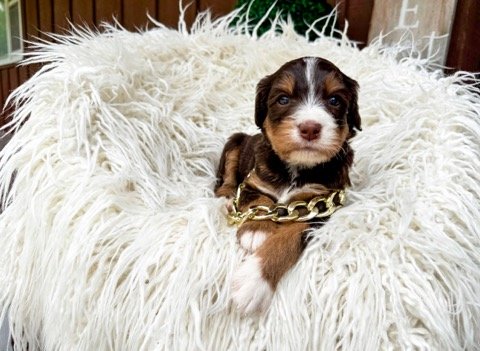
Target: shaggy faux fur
(112,238)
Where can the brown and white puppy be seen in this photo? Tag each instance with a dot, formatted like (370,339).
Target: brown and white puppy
(306,111)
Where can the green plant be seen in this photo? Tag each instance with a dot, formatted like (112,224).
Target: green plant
(302,12)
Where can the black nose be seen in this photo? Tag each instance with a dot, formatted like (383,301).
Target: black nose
(310,130)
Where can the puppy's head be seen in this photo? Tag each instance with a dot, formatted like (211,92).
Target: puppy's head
(307,110)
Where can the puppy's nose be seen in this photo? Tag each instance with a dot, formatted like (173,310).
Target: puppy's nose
(310,130)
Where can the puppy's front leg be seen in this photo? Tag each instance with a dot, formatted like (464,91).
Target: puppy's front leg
(251,235)
(257,277)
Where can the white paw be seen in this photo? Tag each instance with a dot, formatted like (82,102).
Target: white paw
(229,205)
(251,241)
(251,293)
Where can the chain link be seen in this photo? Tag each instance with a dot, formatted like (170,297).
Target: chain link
(291,212)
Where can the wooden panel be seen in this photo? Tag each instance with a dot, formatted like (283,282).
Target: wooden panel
(45,17)
(218,8)
(13,78)
(31,19)
(3,97)
(22,74)
(105,11)
(5,82)
(425,19)
(358,14)
(464,50)
(61,16)
(168,13)
(135,13)
(82,12)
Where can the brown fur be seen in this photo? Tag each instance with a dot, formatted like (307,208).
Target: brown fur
(332,84)
(281,251)
(229,186)
(279,137)
(286,83)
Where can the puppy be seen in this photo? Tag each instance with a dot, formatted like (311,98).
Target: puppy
(306,111)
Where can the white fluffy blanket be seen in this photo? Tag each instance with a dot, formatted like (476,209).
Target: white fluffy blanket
(112,239)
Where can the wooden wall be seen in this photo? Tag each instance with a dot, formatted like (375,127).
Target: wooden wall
(45,16)
(358,13)
(464,51)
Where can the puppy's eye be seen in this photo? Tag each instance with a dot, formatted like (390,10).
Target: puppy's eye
(283,100)
(334,101)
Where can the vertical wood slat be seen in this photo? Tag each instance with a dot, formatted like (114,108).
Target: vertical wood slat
(83,12)
(168,12)
(358,14)
(13,78)
(135,13)
(61,16)
(218,8)
(5,82)
(45,17)
(463,50)
(2,97)
(105,11)
(22,74)
(31,19)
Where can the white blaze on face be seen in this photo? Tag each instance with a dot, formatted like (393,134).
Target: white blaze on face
(310,76)
(311,109)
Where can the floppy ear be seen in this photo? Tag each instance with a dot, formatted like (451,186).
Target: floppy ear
(353,116)
(261,100)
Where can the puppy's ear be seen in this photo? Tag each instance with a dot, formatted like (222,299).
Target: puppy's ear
(353,116)
(261,100)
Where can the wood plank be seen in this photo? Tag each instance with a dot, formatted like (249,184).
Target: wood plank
(33,68)
(31,20)
(425,19)
(45,17)
(217,8)
(5,84)
(3,97)
(168,13)
(22,74)
(135,13)
(105,11)
(23,16)
(464,51)
(13,78)
(359,15)
(83,12)
(62,16)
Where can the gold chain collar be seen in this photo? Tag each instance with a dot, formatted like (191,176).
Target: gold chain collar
(286,212)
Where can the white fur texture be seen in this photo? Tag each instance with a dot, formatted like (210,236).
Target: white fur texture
(112,239)
(251,241)
(251,292)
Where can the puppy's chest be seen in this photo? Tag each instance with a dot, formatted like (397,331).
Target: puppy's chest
(292,192)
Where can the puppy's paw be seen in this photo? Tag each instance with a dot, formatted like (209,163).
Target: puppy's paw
(251,292)
(252,240)
(251,235)
(229,205)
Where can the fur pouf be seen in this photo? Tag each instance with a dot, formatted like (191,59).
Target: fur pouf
(112,239)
